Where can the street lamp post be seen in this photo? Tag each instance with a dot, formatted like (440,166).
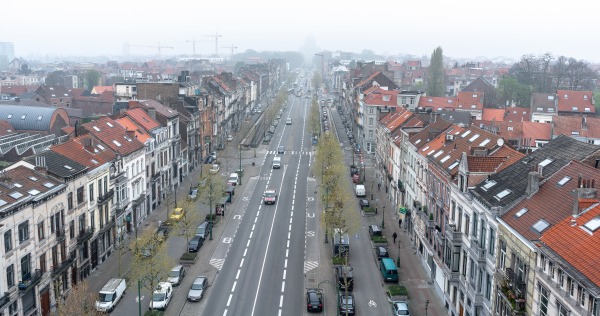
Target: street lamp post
(426,305)
(383,218)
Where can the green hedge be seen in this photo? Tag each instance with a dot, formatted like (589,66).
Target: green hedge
(337,260)
(154,313)
(397,290)
(379,239)
(188,256)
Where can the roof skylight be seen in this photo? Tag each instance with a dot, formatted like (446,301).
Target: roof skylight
(488,184)
(546,162)
(418,141)
(109,124)
(33,192)
(502,194)
(564,181)
(445,159)
(540,225)
(48,185)
(68,167)
(96,128)
(473,138)
(32,178)
(453,165)
(485,142)
(465,134)
(521,212)
(94,161)
(116,143)
(438,154)
(593,224)
(18,185)
(100,146)
(16,195)
(2,202)
(425,148)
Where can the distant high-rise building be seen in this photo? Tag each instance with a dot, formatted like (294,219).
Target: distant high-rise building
(7,54)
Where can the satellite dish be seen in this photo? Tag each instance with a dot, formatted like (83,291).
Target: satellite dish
(500,142)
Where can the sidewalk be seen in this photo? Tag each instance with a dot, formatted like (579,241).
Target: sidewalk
(412,274)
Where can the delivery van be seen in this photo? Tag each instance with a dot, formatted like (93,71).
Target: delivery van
(276,162)
(388,270)
(234,179)
(360,190)
(110,294)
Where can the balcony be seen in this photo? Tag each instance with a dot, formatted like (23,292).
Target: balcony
(63,266)
(477,251)
(453,234)
(5,299)
(85,235)
(106,197)
(30,280)
(439,237)
(512,290)
(455,277)
(106,226)
(60,234)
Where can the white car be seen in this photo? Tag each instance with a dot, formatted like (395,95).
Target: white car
(400,308)
(161,296)
(215,168)
(229,138)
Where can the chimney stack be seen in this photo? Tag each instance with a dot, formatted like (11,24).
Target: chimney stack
(586,189)
(533,182)
(40,164)
(152,113)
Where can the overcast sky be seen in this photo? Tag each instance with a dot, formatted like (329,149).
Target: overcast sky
(463,28)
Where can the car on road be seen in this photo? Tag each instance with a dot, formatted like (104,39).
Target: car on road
(193,194)
(281,150)
(195,244)
(381,252)
(346,304)
(176,275)
(196,291)
(161,296)
(209,160)
(270,196)
(213,154)
(314,300)
(215,168)
(162,231)
(229,138)
(177,214)
(363,203)
(204,229)
(288,121)
(400,308)
(267,139)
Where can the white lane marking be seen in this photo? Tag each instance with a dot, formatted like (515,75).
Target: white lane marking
(290,227)
(289,235)
(255,219)
(287,253)
(288,244)
(285,264)
(242,263)
(251,235)
(237,275)
(233,287)
(229,300)
(245,251)
(282,288)
(225,312)
(253,226)
(248,243)
(281,300)
(284,274)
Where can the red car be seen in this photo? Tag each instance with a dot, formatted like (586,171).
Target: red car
(355,178)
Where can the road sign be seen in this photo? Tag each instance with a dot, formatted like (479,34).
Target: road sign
(403,210)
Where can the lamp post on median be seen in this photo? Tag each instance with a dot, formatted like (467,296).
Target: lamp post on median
(383,219)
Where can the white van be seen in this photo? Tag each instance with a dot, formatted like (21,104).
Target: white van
(276,162)
(110,295)
(288,121)
(234,179)
(360,190)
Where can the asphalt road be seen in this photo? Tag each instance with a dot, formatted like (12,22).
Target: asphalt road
(263,263)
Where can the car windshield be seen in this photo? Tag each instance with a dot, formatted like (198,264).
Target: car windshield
(158,297)
(269,194)
(197,286)
(105,297)
(194,242)
(174,274)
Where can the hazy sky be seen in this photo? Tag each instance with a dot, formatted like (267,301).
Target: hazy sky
(464,28)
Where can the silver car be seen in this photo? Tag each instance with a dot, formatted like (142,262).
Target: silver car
(197,290)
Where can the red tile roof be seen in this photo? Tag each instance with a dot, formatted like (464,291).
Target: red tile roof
(21,174)
(575,101)
(437,102)
(537,131)
(551,203)
(467,100)
(516,114)
(576,244)
(362,83)
(113,135)
(130,125)
(493,115)
(160,108)
(577,126)
(142,118)
(92,156)
(6,128)
(381,97)
(101,89)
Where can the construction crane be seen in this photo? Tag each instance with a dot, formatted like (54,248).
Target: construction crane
(216,37)
(194,41)
(159,47)
(231,47)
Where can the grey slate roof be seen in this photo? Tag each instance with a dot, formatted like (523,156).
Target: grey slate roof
(30,118)
(560,150)
(58,165)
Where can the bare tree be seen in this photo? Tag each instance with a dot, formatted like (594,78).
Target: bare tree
(80,301)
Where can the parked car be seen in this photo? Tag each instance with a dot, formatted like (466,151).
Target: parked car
(195,244)
(346,304)
(229,138)
(209,159)
(204,229)
(363,203)
(161,296)
(196,291)
(400,308)
(162,231)
(177,214)
(314,300)
(215,168)
(193,195)
(176,275)
(381,252)
(270,196)
(213,154)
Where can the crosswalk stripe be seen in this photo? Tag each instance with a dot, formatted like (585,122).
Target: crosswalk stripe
(309,265)
(217,263)
(291,152)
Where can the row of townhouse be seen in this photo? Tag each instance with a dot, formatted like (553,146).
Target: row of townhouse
(488,221)
(65,210)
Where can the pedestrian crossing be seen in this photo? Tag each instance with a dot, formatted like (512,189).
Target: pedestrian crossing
(217,263)
(290,152)
(309,265)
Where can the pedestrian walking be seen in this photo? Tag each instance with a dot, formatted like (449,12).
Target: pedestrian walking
(400,223)
(394,236)
(378,186)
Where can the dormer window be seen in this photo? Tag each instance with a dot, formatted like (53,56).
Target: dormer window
(574,109)
(585,97)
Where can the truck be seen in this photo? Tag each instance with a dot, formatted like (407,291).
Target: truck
(360,190)
(110,294)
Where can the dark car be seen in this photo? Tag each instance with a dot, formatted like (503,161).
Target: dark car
(314,300)
(381,252)
(204,229)
(353,170)
(162,232)
(346,304)
(195,244)
(344,278)
(363,203)
(209,160)
(281,150)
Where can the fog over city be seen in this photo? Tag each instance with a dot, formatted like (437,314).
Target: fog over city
(465,29)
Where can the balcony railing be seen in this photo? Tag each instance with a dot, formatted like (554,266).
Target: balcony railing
(30,280)
(60,234)
(478,251)
(453,234)
(85,234)
(5,299)
(63,266)
(106,197)
(106,226)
